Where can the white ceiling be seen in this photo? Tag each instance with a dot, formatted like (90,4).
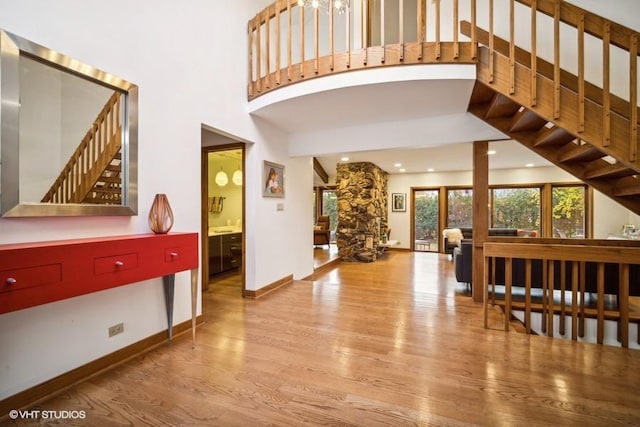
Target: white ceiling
(307,118)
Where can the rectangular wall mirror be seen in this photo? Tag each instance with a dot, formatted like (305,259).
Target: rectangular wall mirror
(68,135)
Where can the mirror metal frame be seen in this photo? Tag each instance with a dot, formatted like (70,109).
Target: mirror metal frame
(11,47)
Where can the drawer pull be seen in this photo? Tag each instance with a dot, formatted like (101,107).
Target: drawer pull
(11,281)
(119,263)
(174,254)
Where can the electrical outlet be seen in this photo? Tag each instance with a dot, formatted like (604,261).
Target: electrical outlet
(116,329)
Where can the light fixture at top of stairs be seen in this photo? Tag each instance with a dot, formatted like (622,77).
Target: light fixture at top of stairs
(339,6)
(221,178)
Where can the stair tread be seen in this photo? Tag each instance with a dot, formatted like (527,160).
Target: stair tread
(554,136)
(527,121)
(581,153)
(502,106)
(615,170)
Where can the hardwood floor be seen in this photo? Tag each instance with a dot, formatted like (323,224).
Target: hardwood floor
(395,342)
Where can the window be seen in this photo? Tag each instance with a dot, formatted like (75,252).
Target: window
(460,208)
(516,208)
(568,211)
(330,208)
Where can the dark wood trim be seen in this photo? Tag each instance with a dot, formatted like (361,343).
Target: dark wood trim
(60,383)
(269,288)
(480,214)
(317,167)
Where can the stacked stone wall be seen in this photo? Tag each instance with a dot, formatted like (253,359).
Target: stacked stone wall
(362,210)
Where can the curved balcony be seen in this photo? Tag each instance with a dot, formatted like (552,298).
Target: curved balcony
(289,43)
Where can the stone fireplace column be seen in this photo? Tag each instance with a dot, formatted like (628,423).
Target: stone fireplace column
(362,210)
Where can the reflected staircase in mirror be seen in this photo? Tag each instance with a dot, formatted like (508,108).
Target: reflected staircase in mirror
(93,174)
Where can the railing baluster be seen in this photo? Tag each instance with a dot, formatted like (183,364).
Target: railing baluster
(301,41)
(556,59)
(633,99)
(534,53)
(363,28)
(332,53)
(485,296)
(600,304)
(550,297)
(316,34)
(278,42)
(251,87)
(512,47)
(491,44)
(456,44)
(544,285)
(348,37)
(508,282)
(289,43)
(563,305)
(527,295)
(259,55)
(421,25)
(623,304)
(474,36)
(437,17)
(382,38)
(401,29)
(606,85)
(267,29)
(583,279)
(574,300)
(581,73)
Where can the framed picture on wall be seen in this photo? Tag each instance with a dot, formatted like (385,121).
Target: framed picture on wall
(398,202)
(273,179)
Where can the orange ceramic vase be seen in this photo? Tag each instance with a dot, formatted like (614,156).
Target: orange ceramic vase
(160,215)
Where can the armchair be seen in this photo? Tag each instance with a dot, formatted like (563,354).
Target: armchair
(322,231)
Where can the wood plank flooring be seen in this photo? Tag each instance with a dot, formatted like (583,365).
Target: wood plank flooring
(392,343)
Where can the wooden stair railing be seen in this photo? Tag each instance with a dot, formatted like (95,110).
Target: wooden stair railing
(93,172)
(583,129)
(563,278)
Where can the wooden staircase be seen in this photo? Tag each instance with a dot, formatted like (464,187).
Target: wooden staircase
(581,128)
(107,190)
(93,173)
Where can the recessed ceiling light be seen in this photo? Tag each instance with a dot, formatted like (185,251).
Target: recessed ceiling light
(430,170)
(344,159)
(491,152)
(397,165)
(529,165)
(403,170)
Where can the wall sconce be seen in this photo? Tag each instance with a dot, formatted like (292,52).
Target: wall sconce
(221,178)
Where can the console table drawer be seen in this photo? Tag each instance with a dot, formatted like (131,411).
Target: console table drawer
(115,263)
(29,277)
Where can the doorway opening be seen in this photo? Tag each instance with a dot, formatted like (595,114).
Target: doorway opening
(426,214)
(223,214)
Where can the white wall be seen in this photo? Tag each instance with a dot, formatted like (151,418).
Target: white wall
(608,215)
(189,60)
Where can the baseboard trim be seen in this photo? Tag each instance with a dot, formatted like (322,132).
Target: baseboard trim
(269,288)
(49,388)
(323,269)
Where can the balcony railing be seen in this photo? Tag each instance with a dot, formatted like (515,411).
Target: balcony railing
(289,43)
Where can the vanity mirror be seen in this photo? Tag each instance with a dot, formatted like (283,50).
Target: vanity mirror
(68,135)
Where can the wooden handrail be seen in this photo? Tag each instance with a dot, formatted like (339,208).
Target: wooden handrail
(572,257)
(94,153)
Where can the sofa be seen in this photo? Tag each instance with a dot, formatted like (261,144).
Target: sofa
(467,234)
(322,231)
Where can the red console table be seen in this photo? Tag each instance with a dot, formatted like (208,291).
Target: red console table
(32,274)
